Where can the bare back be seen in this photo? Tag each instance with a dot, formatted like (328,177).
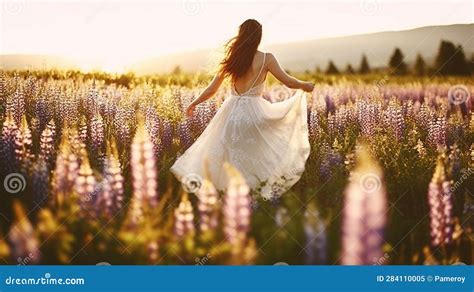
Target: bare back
(255,75)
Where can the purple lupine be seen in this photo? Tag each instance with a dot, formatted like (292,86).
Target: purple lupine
(313,125)
(18,103)
(237,206)
(364,216)
(144,174)
(152,123)
(24,145)
(47,150)
(40,182)
(437,132)
(441,206)
(184,218)
(85,185)
(111,197)
(330,159)
(185,135)
(9,144)
(207,206)
(367,117)
(315,238)
(166,134)
(97,135)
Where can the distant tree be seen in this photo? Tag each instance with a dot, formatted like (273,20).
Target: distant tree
(317,70)
(349,69)
(471,65)
(332,69)
(364,65)
(396,63)
(420,66)
(451,60)
(177,70)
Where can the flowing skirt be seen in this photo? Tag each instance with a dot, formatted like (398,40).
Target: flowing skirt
(267,142)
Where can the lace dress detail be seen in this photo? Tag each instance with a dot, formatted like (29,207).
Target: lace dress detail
(267,142)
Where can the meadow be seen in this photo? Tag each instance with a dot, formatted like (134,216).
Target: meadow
(85,175)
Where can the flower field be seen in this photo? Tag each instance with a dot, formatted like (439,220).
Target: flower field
(85,176)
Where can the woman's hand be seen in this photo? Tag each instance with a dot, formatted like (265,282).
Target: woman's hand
(190,110)
(308,86)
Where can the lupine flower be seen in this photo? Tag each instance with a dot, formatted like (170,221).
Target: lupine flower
(66,170)
(441,206)
(40,182)
(111,198)
(185,135)
(364,216)
(420,148)
(313,125)
(47,150)
(83,130)
(97,133)
(437,131)
(85,185)
(237,209)
(9,144)
(24,145)
(21,237)
(207,206)
(315,237)
(144,173)
(184,218)
(166,134)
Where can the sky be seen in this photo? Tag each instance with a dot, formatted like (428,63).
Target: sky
(112,34)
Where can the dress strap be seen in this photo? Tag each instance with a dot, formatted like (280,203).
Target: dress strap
(260,72)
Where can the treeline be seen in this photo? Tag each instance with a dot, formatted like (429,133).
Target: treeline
(450,60)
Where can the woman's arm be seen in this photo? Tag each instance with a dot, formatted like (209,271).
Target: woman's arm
(290,81)
(210,90)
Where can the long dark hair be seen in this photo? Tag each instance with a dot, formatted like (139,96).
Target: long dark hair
(241,49)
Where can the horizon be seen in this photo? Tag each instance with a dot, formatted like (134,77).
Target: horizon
(95,35)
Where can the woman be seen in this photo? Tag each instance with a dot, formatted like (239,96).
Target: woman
(267,143)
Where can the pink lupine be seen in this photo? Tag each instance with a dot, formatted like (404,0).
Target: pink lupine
(237,206)
(9,145)
(144,173)
(24,145)
(47,148)
(208,199)
(364,216)
(111,196)
(440,202)
(184,218)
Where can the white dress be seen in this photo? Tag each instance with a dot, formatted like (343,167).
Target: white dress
(267,142)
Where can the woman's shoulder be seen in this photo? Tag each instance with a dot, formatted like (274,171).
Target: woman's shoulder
(269,57)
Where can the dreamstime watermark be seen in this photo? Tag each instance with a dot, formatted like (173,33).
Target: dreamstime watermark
(203,261)
(279,93)
(465,174)
(458,94)
(383,260)
(369,7)
(103,264)
(14,183)
(370,183)
(281,264)
(13,7)
(26,260)
(191,182)
(192,7)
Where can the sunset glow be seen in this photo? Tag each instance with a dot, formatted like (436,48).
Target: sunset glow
(113,34)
